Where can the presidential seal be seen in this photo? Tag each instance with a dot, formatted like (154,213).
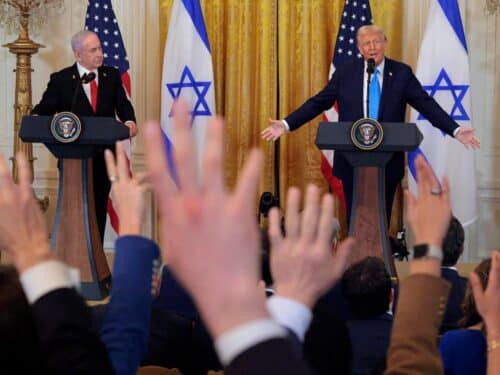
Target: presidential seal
(66,127)
(367,134)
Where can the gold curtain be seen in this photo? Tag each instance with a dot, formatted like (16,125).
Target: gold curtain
(242,36)
(269,56)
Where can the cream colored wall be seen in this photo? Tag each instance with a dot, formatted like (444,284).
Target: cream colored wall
(138,20)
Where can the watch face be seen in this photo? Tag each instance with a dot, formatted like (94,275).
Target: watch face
(420,251)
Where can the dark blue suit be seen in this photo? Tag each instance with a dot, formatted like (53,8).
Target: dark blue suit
(369,340)
(125,330)
(453,309)
(400,87)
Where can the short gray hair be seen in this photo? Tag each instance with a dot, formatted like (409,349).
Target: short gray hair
(369,29)
(78,38)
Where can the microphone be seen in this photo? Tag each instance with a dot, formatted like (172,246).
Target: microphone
(370,68)
(85,78)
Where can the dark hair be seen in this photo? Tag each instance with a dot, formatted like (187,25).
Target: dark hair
(470,314)
(367,288)
(453,243)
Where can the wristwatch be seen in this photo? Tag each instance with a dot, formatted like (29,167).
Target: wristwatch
(423,251)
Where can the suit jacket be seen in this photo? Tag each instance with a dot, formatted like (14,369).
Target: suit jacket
(369,340)
(125,331)
(274,356)
(67,334)
(453,309)
(400,87)
(413,348)
(111,99)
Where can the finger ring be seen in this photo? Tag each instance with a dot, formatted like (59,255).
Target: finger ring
(436,191)
(113,178)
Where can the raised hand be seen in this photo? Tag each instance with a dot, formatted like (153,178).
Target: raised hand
(275,130)
(128,192)
(488,300)
(209,237)
(429,213)
(22,227)
(303,263)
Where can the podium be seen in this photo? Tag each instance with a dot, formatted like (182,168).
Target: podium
(75,236)
(368,145)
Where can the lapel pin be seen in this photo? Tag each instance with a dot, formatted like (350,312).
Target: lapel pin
(390,73)
(104,74)
(74,77)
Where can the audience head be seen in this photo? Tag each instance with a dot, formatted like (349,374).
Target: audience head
(367,288)
(471,315)
(453,243)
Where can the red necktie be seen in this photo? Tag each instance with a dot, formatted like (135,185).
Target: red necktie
(93,95)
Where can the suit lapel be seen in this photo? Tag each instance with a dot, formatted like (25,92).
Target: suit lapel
(358,85)
(386,87)
(82,104)
(101,87)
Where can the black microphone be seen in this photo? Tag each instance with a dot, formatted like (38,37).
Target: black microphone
(370,68)
(89,77)
(85,78)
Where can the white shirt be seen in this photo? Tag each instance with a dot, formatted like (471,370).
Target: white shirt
(86,86)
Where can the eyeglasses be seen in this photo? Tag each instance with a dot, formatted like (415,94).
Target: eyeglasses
(376,43)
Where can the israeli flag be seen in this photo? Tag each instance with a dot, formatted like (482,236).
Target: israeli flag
(443,70)
(187,72)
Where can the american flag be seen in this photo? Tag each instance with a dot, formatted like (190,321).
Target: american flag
(101,19)
(355,14)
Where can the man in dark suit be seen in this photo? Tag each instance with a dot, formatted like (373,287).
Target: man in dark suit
(104,96)
(453,246)
(368,290)
(347,87)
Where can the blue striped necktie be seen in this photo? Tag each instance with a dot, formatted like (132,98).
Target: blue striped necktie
(374,101)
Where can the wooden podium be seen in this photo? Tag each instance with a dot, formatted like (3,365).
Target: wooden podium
(75,236)
(368,222)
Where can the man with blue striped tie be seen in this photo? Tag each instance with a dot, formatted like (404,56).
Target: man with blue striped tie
(393,85)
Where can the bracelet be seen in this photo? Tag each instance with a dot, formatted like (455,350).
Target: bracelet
(493,344)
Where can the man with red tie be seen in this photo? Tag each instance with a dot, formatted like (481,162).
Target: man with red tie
(104,96)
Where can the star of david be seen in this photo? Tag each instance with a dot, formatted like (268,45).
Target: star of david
(200,88)
(443,83)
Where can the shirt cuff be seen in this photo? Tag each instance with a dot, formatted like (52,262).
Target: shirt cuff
(44,278)
(234,342)
(291,314)
(456,131)
(287,127)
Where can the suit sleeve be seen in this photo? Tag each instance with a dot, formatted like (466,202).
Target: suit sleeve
(123,107)
(413,348)
(274,356)
(418,98)
(50,98)
(125,331)
(315,105)
(67,334)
